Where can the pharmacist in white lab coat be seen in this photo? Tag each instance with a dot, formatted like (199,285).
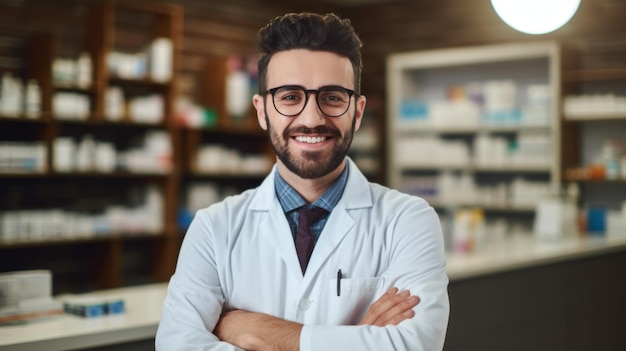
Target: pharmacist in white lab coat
(376,276)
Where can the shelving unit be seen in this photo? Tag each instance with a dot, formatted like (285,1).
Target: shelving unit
(477,128)
(221,162)
(224,153)
(594,116)
(104,238)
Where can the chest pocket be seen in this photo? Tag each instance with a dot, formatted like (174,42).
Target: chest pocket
(356,295)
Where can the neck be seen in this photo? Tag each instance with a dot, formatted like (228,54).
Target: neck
(310,189)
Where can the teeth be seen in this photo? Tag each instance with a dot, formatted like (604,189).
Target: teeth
(310,140)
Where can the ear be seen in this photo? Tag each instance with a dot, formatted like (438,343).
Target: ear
(259,105)
(360,109)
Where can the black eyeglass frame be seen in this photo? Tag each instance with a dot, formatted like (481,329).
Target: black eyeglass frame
(307,93)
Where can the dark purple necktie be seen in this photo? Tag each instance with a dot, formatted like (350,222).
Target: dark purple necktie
(304,239)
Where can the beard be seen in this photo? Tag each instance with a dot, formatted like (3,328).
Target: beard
(311,164)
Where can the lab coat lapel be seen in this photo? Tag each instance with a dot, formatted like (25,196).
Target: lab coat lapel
(274,226)
(341,221)
(278,232)
(338,226)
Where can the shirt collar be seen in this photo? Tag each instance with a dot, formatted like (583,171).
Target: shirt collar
(290,199)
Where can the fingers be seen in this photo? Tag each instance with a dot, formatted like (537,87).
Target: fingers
(391,308)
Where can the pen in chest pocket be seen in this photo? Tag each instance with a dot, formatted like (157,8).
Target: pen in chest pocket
(339,276)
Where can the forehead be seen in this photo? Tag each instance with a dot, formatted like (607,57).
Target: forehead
(310,69)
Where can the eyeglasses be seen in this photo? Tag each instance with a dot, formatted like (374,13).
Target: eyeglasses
(290,100)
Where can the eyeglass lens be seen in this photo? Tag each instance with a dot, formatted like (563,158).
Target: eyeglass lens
(291,100)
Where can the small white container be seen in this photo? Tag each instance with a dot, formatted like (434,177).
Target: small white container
(64,155)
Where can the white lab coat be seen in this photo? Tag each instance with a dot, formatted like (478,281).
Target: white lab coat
(239,254)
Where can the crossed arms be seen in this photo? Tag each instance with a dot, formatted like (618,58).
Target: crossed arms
(204,286)
(258,332)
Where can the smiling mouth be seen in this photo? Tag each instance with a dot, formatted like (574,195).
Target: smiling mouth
(310,139)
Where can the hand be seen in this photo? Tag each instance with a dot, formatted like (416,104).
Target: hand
(391,308)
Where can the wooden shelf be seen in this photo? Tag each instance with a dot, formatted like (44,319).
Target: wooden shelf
(111,175)
(22,175)
(236,131)
(477,168)
(595,118)
(147,82)
(513,169)
(486,207)
(227,175)
(77,240)
(100,123)
(22,119)
(50,190)
(74,88)
(471,130)
(595,181)
(594,75)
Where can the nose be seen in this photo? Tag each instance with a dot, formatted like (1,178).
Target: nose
(311,116)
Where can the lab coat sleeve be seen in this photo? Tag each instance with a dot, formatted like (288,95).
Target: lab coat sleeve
(194,298)
(417,263)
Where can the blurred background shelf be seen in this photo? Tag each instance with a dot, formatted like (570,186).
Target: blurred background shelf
(460,119)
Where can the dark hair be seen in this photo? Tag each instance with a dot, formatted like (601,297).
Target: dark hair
(310,31)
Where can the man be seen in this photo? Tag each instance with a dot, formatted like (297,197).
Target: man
(376,276)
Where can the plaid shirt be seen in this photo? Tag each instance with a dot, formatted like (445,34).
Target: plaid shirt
(291,201)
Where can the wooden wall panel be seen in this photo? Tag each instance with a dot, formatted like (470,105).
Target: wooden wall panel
(598,31)
(221,28)
(214,29)
(211,28)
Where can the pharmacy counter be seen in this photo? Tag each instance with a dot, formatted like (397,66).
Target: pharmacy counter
(68,332)
(526,251)
(530,295)
(487,289)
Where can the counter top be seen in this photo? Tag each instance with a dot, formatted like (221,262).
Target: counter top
(526,252)
(67,332)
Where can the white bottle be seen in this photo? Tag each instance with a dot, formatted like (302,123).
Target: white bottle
(611,163)
(461,232)
(64,155)
(3,92)
(161,54)
(32,102)
(11,90)
(86,154)
(114,104)
(84,70)
(237,90)
(105,157)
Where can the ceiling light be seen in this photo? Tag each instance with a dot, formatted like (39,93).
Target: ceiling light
(535,16)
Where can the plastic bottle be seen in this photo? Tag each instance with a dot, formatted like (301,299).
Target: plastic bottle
(114,104)
(11,96)
(32,106)
(84,70)
(161,53)
(237,90)
(86,154)
(610,160)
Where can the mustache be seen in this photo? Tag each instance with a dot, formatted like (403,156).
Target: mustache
(317,130)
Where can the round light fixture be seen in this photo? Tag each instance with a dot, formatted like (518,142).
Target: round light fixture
(535,16)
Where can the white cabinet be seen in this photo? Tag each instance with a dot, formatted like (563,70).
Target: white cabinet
(476,127)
